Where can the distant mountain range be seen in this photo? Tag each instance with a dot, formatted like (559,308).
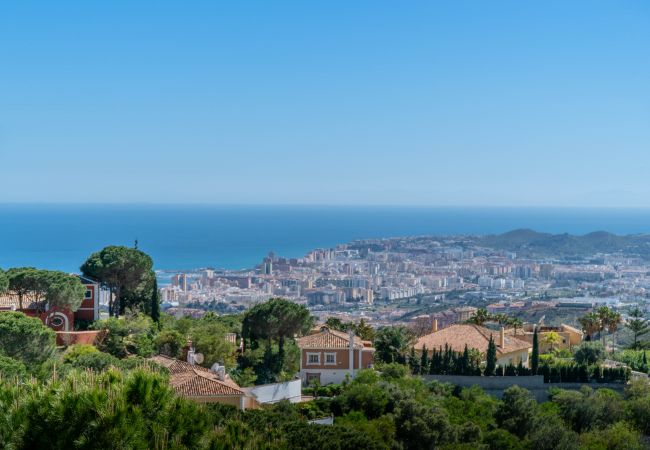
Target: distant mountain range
(527,242)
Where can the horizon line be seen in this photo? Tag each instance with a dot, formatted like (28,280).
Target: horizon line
(317,205)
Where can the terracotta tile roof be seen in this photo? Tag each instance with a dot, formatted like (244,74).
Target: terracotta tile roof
(10,301)
(328,338)
(456,336)
(196,381)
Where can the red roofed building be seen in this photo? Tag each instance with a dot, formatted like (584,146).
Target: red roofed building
(510,349)
(200,384)
(328,356)
(57,319)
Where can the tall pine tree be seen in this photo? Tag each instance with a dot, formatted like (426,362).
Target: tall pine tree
(534,362)
(491,358)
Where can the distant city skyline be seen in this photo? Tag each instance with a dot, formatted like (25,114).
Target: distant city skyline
(329,103)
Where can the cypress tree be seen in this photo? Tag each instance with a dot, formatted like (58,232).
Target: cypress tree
(413,362)
(434,367)
(155,302)
(465,362)
(491,358)
(424,361)
(534,363)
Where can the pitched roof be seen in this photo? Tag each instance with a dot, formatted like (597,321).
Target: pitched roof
(196,381)
(9,300)
(475,336)
(328,338)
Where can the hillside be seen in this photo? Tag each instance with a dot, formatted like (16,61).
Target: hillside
(532,243)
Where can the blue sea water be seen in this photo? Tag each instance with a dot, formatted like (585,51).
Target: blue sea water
(234,237)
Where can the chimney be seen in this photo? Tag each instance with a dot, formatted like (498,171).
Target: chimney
(502,338)
(434,328)
(185,352)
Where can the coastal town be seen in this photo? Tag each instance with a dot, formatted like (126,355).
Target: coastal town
(415,280)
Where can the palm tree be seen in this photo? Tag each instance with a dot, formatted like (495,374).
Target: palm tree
(590,324)
(551,339)
(501,319)
(608,321)
(479,317)
(516,323)
(613,321)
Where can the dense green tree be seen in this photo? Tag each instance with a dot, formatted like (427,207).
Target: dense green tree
(588,408)
(550,433)
(4,281)
(334,323)
(638,325)
(209,338)
(364,331)
(421,427)
(392,343)
(25,339)
(119,269)
(75,351)
(169,342)
(619,436)
(517,411)
(589,353)
(500,439)
(139,298)
(11,369)
(26,281)
(57,289)
(131,335)
(491,358)
(275,320)
(63,290)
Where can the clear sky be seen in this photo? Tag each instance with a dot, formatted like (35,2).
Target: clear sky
(326,102)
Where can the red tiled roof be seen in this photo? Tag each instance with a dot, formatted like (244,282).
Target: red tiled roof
(477,337)
(9,300)
(328,338)
(196,381)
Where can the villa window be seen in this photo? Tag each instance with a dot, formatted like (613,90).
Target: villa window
(313,358)
(330,358)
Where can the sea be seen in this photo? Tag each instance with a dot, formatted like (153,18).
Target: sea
(184,237)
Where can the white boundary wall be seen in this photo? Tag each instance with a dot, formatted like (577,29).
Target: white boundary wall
(273,393)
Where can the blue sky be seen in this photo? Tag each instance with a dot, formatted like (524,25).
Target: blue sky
(331,102)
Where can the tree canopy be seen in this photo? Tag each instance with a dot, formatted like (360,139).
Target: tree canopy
(392,343)
(276,319)
(4,281)
(121,270)
(57,289)
(25,338)
(638,325)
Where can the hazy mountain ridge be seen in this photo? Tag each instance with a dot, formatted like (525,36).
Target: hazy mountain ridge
(527,242)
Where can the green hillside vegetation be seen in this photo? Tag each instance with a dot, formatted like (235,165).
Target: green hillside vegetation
(111,398)
(531,243)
